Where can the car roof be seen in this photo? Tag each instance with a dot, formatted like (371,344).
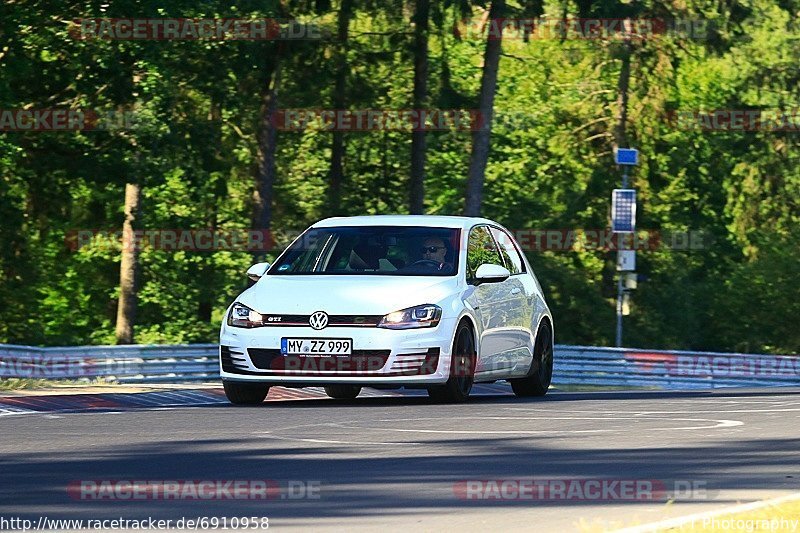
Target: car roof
(434,221)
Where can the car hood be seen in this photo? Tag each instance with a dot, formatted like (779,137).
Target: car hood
(344,295)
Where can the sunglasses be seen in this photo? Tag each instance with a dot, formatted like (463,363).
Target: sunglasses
(431,249)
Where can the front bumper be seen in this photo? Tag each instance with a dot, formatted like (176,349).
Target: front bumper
(381,357)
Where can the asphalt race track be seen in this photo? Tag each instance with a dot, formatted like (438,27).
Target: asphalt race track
(394,462)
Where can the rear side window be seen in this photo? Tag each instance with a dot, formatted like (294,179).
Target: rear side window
(481,249)
(509,252)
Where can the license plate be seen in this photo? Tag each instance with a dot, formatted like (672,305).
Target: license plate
(305,346)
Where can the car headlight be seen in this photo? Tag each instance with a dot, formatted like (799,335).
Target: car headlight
(242,316)
(421,316)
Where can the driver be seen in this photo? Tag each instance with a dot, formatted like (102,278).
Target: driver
(433,249)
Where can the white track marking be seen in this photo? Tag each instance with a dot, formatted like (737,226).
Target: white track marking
(8,411)
(705,423)
(691,411)
(709,424)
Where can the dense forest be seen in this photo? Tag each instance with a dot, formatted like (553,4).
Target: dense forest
(185,135)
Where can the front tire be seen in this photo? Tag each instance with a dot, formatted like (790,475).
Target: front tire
(240,393)
(538,380)
(342,392)
(462,369)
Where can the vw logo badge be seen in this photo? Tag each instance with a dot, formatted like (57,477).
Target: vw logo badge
(318,320)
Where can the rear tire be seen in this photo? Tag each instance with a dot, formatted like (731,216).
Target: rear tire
(245,393)
(462,369)
(342,392)
(538,380)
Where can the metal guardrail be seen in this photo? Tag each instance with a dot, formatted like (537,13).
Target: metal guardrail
(124,364)
(663,369)
(574,365)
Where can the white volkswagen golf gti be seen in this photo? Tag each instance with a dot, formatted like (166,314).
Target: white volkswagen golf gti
(410,301)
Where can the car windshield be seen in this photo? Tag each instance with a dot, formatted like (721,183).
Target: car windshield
(372,250)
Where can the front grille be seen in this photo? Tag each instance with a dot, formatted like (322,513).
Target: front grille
(270,362)
(354,320)
(358,361)
(285,320)
(333,320)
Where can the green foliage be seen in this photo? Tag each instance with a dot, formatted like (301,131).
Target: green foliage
(192,147)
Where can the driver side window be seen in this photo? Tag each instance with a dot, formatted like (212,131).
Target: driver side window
(481,249)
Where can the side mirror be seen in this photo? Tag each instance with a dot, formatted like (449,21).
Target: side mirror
(256,271)
(490,273)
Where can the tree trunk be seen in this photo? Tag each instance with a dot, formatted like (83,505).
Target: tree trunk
(267,144)
(336,175)
(418,144)
(206,268)
(126,308)
(482,135)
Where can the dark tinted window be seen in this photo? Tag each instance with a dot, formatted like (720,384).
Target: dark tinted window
(372,250)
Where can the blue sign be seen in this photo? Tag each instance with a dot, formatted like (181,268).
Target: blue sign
(623,211)
(627,156)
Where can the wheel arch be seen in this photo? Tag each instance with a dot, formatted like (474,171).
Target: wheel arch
(546,319)
(470,320)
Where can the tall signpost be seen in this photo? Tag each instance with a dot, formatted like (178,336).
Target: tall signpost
(623,220)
